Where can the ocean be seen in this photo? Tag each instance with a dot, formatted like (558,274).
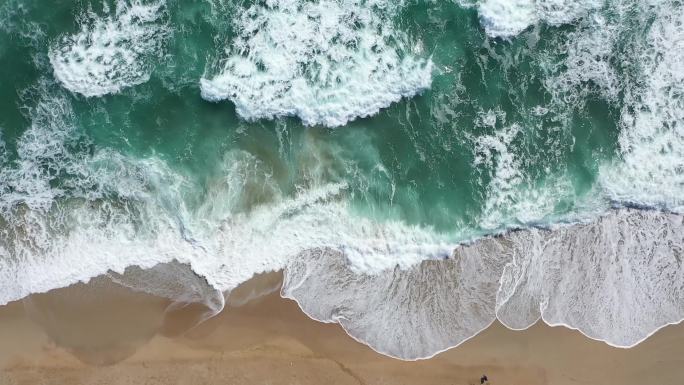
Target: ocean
(418,168)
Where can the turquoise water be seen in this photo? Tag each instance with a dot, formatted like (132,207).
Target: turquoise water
(233,135)
(413,161)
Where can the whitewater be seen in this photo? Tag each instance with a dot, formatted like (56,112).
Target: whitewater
(417,169)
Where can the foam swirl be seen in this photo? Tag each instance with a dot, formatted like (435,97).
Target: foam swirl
(327,62)
(113,51)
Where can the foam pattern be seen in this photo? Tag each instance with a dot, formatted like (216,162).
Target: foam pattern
(70,214)
(515,194)
(70,211)
(406,313)
(327,61)
(650,171)
(111,51)
(174,281)
(599,277)
(506,18)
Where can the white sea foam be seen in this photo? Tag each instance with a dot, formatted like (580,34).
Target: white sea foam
(326,61)
(42,151)
(586,67)
(511,196)
(69,215)
(650,170)
(268,236)
(495,153)
(174,281)
(76,241)
(630,55)
(405,313)
(506,18)
(111,51)
(63,241)
(9,11)
(600,277)
(3,150)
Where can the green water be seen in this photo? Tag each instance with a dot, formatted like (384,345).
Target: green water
(413,162)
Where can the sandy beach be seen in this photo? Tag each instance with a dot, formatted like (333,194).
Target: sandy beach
(103,334)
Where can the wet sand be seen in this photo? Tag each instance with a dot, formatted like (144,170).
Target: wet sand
(101,333)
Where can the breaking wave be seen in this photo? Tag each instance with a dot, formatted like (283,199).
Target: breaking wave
(327,62)
(70,214)
(650,171)
(506,19)
(597,277)
(111,51)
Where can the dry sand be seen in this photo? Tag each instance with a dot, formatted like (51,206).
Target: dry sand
(102,334)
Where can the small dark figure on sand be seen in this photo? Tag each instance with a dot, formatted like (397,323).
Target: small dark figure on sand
(483,379)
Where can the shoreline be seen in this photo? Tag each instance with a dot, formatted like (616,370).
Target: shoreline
(196,289)
(268,339)
(585,277)
(498,233)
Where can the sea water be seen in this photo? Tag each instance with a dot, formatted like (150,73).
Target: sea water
(424,166)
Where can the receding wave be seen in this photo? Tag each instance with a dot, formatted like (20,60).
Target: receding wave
(597,277)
